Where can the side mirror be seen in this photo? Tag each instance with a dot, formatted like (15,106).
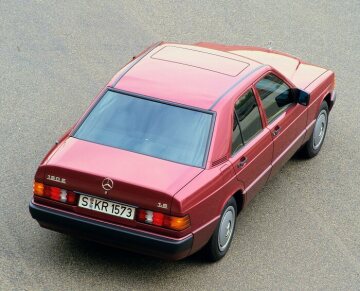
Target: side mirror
(301,96)
(284,98)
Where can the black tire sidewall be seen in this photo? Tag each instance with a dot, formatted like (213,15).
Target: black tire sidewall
(309,145)
(213,251)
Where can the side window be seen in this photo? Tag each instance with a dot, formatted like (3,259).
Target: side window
(247,120)
(275,96)
(237,141)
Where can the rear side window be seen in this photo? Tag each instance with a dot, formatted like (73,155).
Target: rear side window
(247,120)
(271,89)
(237,140)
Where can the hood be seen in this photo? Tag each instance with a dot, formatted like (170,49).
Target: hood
(298,72)
(138,179)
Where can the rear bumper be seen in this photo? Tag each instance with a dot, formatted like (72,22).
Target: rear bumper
(110,234)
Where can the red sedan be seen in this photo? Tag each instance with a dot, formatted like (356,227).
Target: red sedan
(177,143)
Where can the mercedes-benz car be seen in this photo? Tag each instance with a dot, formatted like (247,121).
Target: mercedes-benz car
(178,143)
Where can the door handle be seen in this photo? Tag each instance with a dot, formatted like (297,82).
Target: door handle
(276,130)
(242,162)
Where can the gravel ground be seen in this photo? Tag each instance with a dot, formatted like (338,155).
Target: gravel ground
(300,232)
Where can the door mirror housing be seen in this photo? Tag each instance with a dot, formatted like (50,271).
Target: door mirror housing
(284,98)
(301,96)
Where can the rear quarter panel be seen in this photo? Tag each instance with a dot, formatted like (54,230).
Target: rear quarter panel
(204,198)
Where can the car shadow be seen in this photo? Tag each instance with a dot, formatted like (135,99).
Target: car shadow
(98,252)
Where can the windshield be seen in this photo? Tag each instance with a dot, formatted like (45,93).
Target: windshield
(148,127)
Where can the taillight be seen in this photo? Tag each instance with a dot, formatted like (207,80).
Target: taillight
(163,220)
(54,193)
(38,189)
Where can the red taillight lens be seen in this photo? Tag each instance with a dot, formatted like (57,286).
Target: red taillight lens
(158,219)
(54,193)
(163,220)
(71,197)
(141,215)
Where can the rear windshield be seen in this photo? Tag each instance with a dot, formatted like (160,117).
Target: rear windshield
(148,127)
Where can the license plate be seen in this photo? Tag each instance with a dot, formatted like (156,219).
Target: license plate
(105,206)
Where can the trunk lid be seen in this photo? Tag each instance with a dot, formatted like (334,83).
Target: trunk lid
(138,179)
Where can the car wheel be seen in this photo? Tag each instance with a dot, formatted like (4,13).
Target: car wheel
(220,241)
(313,146)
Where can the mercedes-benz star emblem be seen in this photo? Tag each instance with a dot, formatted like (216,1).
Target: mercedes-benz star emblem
(107,184)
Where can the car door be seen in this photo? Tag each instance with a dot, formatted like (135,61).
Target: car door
(286,119)
(252,145)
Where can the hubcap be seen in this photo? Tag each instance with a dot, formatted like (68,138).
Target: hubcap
(320,129)
(226,228)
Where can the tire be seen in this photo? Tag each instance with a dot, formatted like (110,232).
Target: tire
(220,241)
(313,146)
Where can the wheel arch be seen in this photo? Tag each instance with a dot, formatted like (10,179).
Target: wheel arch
(240,199)
(327,98)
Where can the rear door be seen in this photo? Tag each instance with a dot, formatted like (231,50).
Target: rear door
(286,119)
(252,145)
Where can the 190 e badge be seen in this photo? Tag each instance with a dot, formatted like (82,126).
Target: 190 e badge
(56,179)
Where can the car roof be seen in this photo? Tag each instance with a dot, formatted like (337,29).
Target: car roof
(189,75)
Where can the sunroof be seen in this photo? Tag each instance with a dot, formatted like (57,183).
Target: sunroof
(204,60)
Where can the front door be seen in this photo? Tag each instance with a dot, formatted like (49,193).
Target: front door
(286,119)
